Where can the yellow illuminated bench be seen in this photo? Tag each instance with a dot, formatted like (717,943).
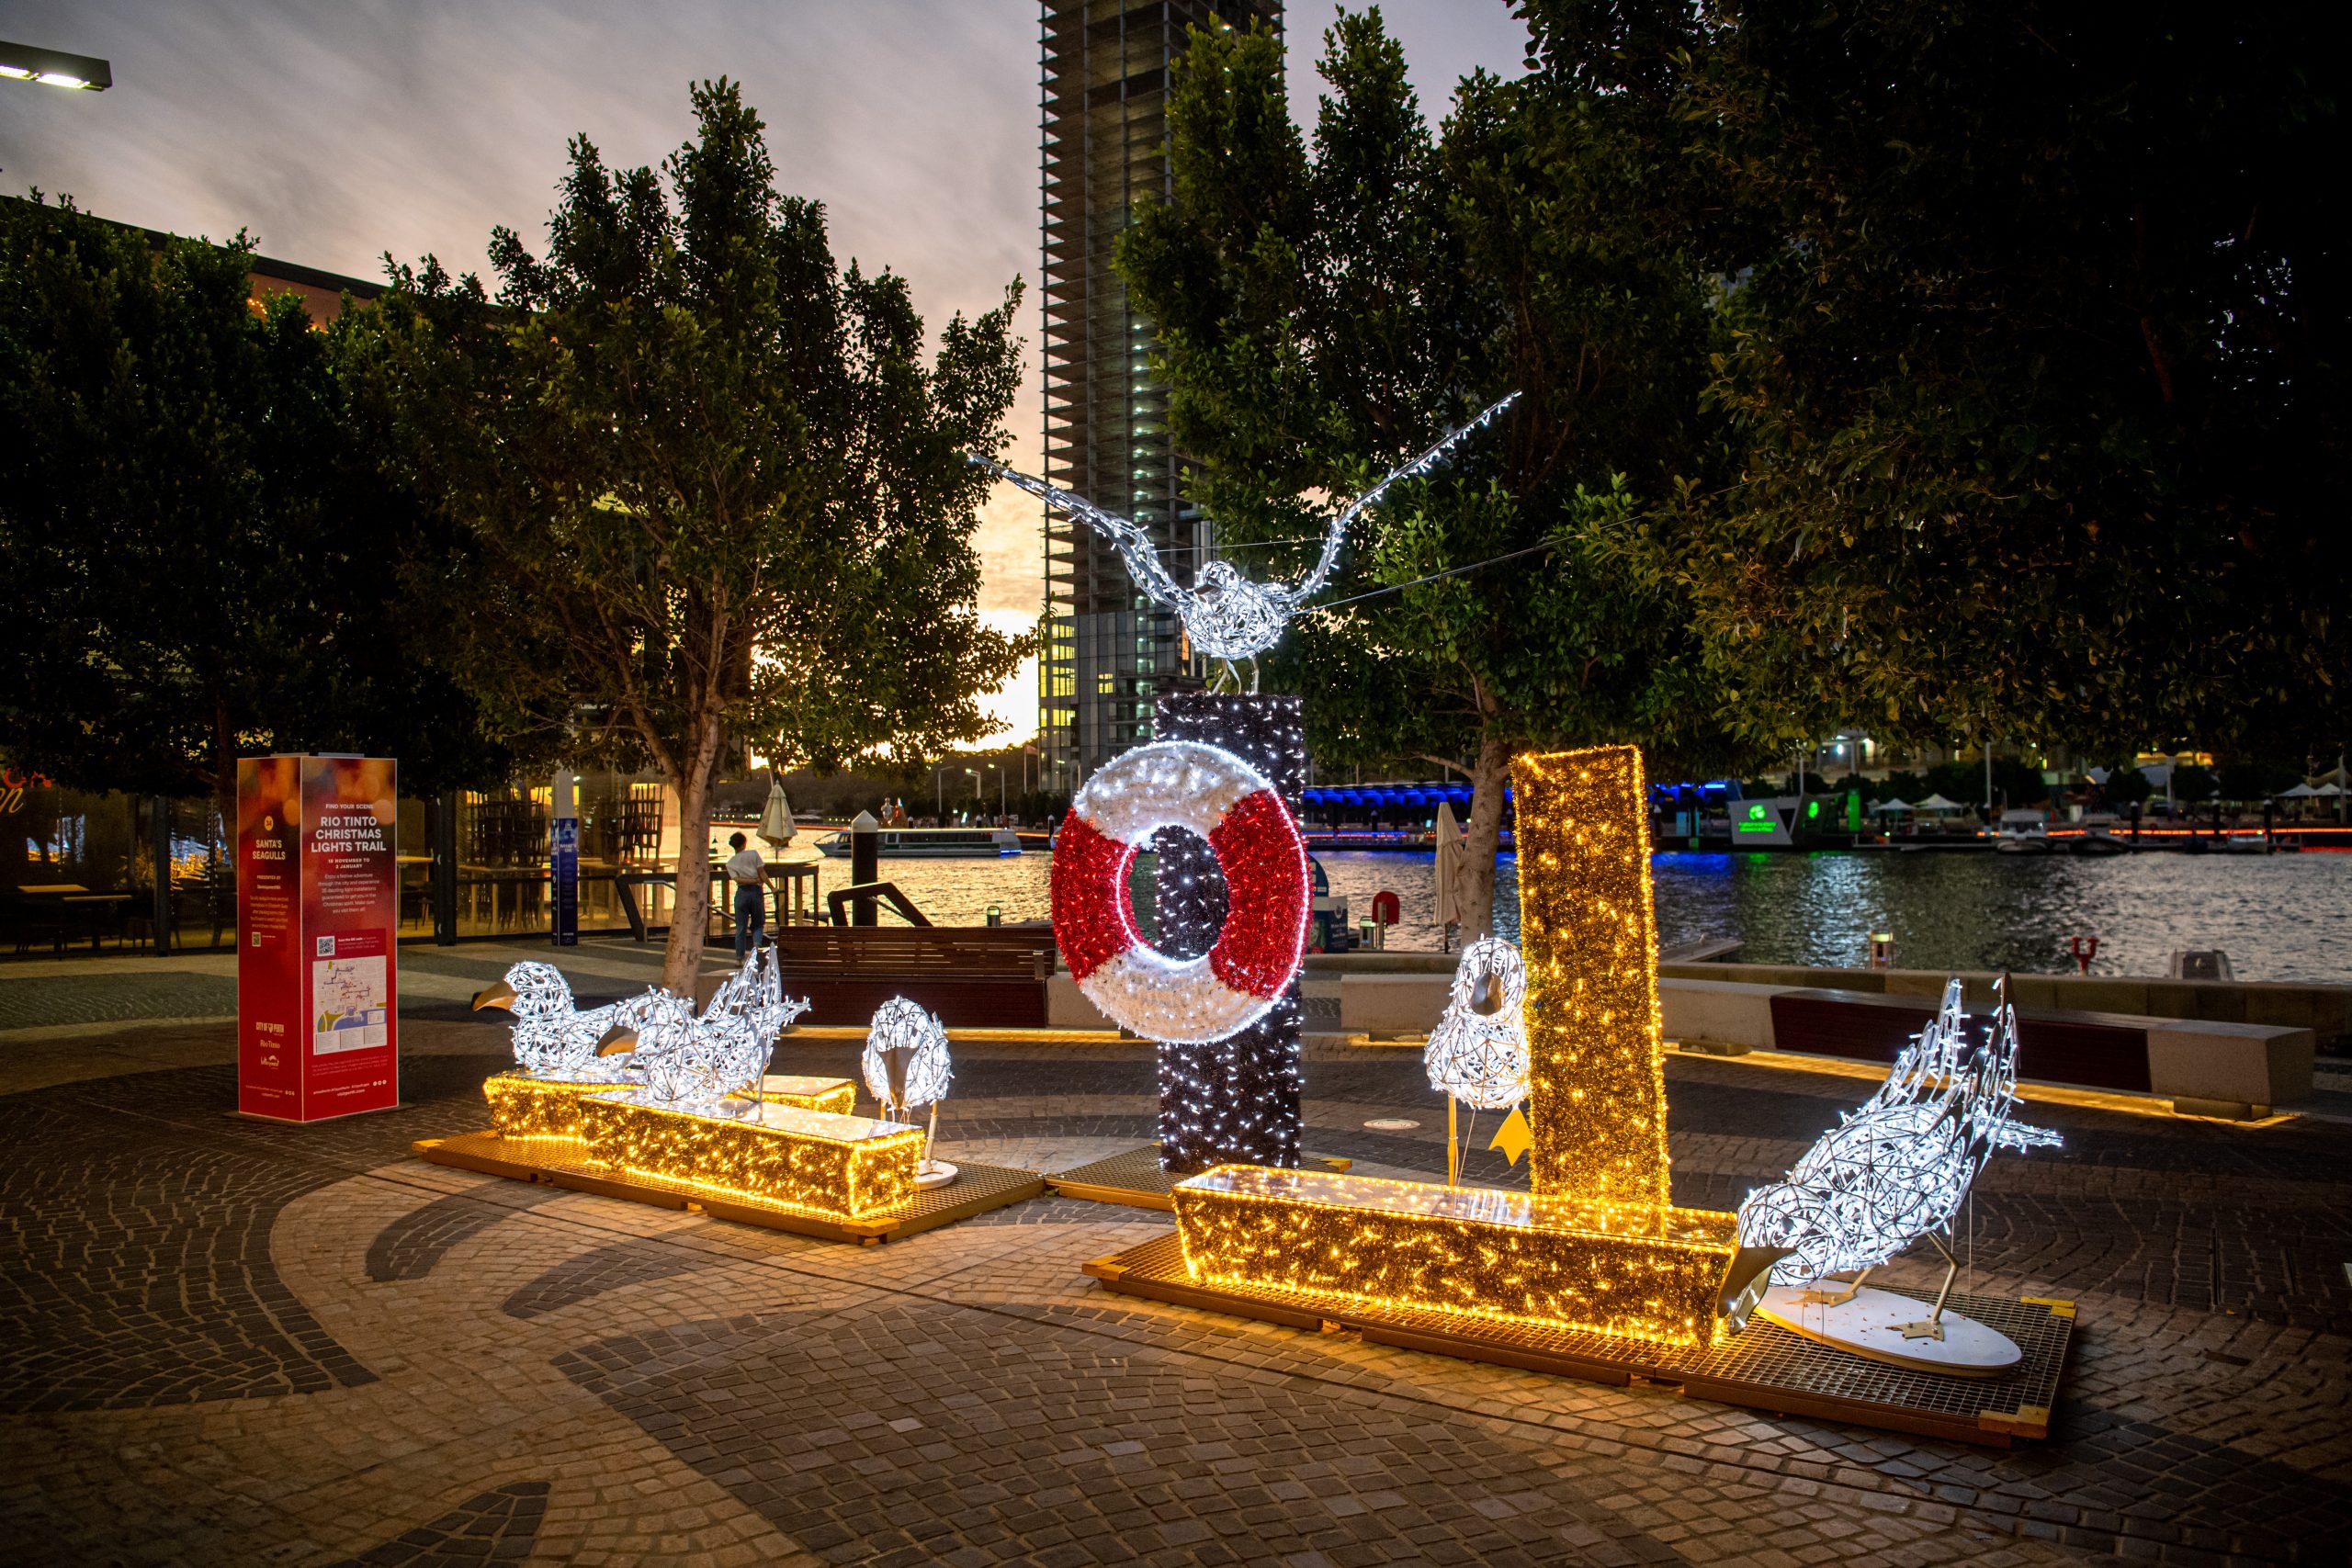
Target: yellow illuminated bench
(843,1167)
(547,1111)
(1637,1270)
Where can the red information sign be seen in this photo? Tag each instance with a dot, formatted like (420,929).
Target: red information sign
(318,893)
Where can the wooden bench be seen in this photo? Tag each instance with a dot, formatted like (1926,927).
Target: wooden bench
(2100,1050)
(972,977)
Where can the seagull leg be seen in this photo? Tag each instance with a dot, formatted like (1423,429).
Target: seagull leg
(1816,1296)
(1932,1326)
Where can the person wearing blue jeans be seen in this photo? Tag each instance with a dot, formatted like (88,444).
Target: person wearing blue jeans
(747,874)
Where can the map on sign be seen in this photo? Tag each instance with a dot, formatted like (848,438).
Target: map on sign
(350,996)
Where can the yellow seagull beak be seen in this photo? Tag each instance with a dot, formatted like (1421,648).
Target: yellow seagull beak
(497,995)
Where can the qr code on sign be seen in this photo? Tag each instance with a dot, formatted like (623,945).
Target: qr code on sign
(326,947)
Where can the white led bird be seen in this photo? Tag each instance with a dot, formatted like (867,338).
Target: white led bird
(1228,617)
(1896,1169)
(1479,1058)
(553,1038)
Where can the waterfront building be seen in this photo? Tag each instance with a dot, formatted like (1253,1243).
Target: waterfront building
(1103,94)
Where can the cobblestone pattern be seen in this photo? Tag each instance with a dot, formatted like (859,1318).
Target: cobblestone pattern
(41,1001)
(135,1268)
(1072,1455)
(576,1279)
(411,1245)
(496,1526)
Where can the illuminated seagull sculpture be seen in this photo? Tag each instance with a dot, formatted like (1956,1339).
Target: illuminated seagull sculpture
(553,1037)
(1478,1054)
(1896,1170)
(1228,617)
(699,1062)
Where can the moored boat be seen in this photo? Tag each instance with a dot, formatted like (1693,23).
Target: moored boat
(932,843)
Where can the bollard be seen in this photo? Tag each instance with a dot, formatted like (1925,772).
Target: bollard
(865,864)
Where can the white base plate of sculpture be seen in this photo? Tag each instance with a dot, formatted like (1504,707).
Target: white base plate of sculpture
(934,1173)
(1872,1324)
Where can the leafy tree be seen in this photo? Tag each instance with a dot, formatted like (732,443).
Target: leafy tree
(2034,344)
(207,566)
(721,494)
(1323,310)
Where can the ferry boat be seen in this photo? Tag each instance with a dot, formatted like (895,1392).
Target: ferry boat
(932,843)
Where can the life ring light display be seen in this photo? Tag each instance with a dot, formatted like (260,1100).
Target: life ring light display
(1181,783)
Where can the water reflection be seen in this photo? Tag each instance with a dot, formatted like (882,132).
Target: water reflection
(2278,917)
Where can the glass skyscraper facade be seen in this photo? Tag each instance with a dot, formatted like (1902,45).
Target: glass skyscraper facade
(1102,97)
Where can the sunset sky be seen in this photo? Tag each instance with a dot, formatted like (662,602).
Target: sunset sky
(337,131)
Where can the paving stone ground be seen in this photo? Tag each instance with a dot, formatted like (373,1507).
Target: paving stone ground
(235,1342)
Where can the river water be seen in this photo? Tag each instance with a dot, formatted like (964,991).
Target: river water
(2278,917)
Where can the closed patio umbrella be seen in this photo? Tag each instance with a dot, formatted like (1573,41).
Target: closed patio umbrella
(775,818)
(1452,858)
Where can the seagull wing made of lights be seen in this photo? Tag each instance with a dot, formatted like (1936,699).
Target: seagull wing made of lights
(1899,1167)
(1228,616)
(697,1062)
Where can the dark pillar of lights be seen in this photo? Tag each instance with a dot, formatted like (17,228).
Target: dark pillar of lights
(1233,1100)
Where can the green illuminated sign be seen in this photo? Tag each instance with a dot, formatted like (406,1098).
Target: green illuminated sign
(1812,808)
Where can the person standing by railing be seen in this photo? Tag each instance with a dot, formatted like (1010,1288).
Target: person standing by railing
(748,874)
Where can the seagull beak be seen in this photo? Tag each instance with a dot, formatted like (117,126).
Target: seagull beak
(497,995)
(616,1040)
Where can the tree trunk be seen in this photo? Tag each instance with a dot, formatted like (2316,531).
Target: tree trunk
(690,911)
(1483,836)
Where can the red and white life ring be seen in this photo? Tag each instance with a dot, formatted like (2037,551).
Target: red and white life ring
(1181,783)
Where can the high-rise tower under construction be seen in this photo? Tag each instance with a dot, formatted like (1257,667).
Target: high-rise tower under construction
(1103,102)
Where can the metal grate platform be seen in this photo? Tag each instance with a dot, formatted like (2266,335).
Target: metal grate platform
(976,1189)
(1763,1366)
(1135,1180)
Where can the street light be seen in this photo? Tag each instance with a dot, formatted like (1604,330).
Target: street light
(55,68)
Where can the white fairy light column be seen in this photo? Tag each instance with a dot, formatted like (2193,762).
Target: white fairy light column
(1233,1100)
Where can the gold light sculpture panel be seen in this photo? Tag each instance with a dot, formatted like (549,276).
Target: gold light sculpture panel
(1634,1270)
(1598,1246)
(547,1111)
(843,1167)
(1586,925)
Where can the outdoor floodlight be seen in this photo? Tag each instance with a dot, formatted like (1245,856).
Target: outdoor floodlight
(23,62)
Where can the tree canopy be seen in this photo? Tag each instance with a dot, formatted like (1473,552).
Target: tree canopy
(2031,340)
(1324,310)
(203,561)
(717,485)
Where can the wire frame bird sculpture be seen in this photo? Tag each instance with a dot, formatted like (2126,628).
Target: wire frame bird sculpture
(906,1067)
(1226,616)
(1896,1170)
(554,1038)
(709,1064)
(1478,1054)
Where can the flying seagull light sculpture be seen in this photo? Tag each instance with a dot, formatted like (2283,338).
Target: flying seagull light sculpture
(1896,1169)
(1228,617)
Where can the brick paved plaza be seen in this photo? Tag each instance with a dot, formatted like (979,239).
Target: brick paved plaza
(236,1342)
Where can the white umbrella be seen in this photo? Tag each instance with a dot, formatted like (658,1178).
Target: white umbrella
(1453,855)
(2301,792)
(1891,807)
(776,820)
(1938,803)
